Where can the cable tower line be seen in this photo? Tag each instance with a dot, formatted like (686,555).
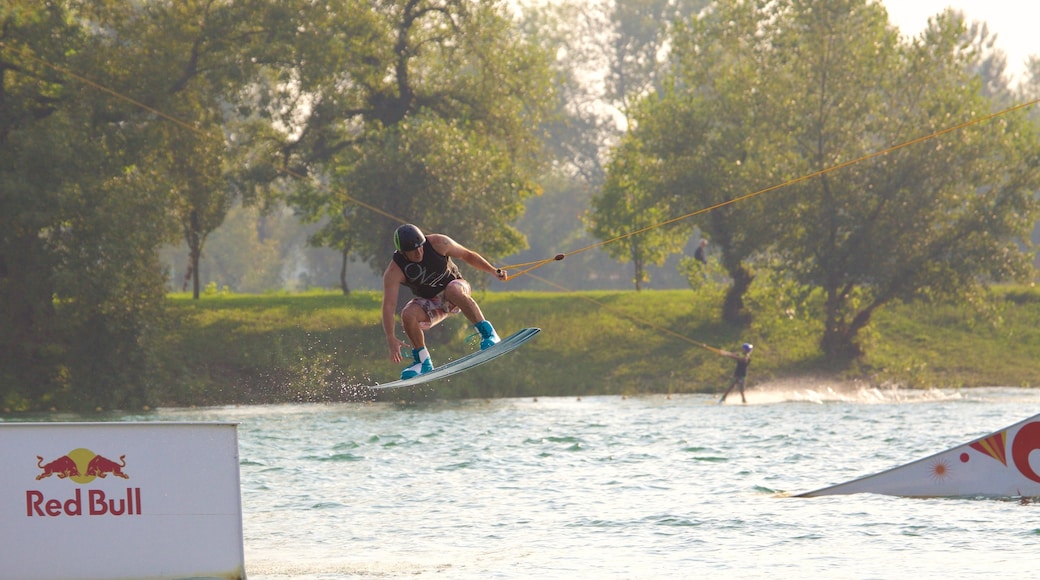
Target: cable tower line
(539,263)
(527,267)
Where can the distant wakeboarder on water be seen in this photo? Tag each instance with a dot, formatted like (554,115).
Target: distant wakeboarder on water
(743,359)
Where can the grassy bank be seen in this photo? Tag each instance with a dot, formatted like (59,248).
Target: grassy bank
(323,346)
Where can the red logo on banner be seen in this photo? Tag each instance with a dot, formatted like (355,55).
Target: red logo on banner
(82,466)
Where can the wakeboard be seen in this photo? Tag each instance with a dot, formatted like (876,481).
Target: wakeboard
(474,359)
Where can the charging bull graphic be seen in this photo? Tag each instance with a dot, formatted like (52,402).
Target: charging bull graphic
(63,467)
(102,466)
(82,466)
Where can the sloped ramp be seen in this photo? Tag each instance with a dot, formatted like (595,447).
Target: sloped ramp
(1005,463)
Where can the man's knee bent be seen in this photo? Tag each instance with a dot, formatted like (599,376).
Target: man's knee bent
(413,313)
(456,290)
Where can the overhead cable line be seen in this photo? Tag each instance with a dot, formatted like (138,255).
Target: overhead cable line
(198,131)
(529,266)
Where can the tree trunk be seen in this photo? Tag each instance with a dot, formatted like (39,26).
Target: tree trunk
(733,306)
(638,265)
(193,237)
(343,272)
(839,345)
(840,339)
(196,257)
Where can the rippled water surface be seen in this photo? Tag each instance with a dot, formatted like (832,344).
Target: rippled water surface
(609,487)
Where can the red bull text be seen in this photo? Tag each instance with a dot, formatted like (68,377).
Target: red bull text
(97,504)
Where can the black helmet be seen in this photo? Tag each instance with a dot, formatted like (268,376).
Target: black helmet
(408,237)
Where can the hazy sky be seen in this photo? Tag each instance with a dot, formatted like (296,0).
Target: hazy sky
(1016,23)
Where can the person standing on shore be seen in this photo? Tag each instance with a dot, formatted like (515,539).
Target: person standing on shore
(743,359)
(424,264)
(700,254)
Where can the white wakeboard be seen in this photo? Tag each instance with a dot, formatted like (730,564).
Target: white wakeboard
(474,359)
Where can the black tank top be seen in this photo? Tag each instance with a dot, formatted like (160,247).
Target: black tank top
(742,365)
(429,277)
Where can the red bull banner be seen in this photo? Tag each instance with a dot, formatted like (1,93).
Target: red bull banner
(1005,463)
(120,500)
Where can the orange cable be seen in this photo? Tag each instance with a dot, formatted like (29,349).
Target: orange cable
(558,257)
(787,183)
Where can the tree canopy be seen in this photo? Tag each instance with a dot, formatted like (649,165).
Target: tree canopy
(764,92)
(423,111)
(124,126)
(80,213)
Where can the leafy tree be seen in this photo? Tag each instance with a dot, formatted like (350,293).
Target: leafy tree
(937,219)
(81,291)
(1029,89)
(625,207)
(577,127)
(335,231)
(715,131)
(199,194)
(553,222)
(256,251)
(764,92)
(411,110)
(242,255)
(989,62)
(191,77)
(625,39)
(640,31)
(609,55)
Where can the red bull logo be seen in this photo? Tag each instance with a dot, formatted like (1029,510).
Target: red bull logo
(63,467)
(82,466)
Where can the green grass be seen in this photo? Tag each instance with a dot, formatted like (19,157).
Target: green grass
(321,346)
(942,345)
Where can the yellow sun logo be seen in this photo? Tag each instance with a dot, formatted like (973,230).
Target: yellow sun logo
(940,470)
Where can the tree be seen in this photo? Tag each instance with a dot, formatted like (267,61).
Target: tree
(609,56)
(938,219)
(192,76)
(335,231)
(640,31)
(411,110)
(716,133)
(766,92)
(80,217)
(199,194)
(1029,88)
(707,128)
(610,59)
(625,207)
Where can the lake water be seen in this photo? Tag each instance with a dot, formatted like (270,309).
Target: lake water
(612,487)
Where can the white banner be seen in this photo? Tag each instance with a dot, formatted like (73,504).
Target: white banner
(120,500)
(1005,463)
